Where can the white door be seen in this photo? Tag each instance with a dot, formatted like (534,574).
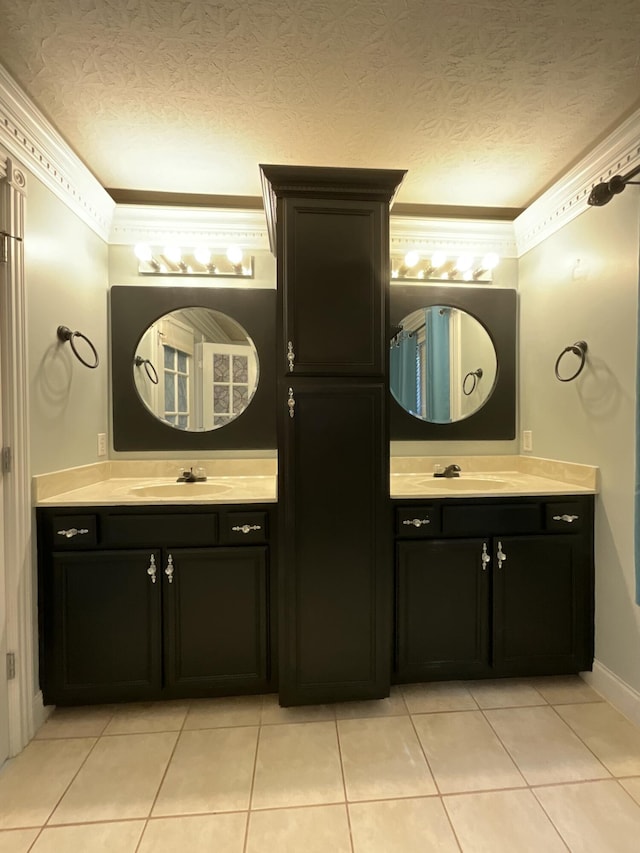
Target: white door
(4,693)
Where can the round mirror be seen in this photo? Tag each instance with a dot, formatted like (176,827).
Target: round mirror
(443,364)
(196,369)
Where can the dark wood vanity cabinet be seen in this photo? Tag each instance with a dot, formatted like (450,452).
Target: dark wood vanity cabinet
(517,600)
(121,619)
(329,229)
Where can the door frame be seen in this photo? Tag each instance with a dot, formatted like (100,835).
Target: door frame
(19,549)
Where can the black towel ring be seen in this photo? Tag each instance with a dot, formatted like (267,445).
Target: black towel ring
(65,334)
(149,369)
(475,376)
(579,349)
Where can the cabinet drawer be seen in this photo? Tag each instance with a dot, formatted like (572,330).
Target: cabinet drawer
(127,530)
(491,519)
(243,527)
(417,521)
(564,517)
(74,531)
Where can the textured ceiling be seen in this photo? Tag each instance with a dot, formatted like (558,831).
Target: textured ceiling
(485,102)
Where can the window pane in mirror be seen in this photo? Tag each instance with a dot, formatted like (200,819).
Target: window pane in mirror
(210,369)
(443,364)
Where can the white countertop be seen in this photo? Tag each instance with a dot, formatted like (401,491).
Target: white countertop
(115,482)
(486,485)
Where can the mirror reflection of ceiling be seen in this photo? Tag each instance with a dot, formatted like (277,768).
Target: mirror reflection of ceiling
(485,102)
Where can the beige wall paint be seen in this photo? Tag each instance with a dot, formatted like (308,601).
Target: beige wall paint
(66,279)
(591,420)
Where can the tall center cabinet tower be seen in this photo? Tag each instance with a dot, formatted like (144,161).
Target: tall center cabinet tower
(329,228)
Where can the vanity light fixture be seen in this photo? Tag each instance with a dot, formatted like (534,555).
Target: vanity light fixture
(198,262)
(438,267)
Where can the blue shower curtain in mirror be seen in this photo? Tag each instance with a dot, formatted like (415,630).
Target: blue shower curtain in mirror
(438,371)
(402,365)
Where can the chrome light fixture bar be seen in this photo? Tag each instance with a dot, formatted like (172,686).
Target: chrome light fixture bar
(171,260)
(461,269)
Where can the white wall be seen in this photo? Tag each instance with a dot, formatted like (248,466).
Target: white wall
(66,279)
(591,420)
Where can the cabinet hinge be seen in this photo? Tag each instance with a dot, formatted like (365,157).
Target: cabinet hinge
(6,460)
(11,665)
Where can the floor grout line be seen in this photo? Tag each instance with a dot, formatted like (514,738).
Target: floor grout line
(442,797)
(344,787)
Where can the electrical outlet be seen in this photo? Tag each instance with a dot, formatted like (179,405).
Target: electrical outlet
(527,439)
(102,444)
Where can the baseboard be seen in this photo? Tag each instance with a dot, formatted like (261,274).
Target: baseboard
(614,690)
(39,711)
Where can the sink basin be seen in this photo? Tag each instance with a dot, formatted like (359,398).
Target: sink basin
(463,484)
(182,490)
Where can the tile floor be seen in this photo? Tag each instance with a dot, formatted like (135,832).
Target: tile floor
(511,766)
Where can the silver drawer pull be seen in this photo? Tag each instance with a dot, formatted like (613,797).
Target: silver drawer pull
(246,528)
(291,402)
(151,571)
(291,356)
(72,531)
(500,555)
(169,570)
(417,522)
(486,559)
(568,518)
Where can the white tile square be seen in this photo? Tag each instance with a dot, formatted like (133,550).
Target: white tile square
(382,758)
(298,764)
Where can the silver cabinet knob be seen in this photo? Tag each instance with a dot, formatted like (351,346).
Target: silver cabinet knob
(417,522)
(291,402)
(169,570)
(568,518)
(290,356)
(151,571)
(72,531)
(246,528)
(500,555)
(486,559)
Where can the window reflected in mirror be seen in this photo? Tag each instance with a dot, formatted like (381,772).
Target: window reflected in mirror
(196,369)
(443,364)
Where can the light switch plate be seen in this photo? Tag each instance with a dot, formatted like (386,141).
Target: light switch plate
(102,444)
(527,439)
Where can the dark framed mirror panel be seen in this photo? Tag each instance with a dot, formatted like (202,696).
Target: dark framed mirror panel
(496,310)
(132,310)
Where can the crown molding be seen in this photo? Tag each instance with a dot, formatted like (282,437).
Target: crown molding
(31,139)
(476,236)
(188,226)
(567,198)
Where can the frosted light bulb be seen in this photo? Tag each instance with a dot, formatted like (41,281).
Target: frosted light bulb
(463,263)
(411,259)
(438,260)
(143,252)
(234,254)
(202,255)
(173,254)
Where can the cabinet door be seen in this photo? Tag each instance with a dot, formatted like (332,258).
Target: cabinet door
(215,618)
(104,624)
(541,605)
(333,278)
(442,613)
(335,555)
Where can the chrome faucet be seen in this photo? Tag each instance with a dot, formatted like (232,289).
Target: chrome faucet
(187,476)
(450,471)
